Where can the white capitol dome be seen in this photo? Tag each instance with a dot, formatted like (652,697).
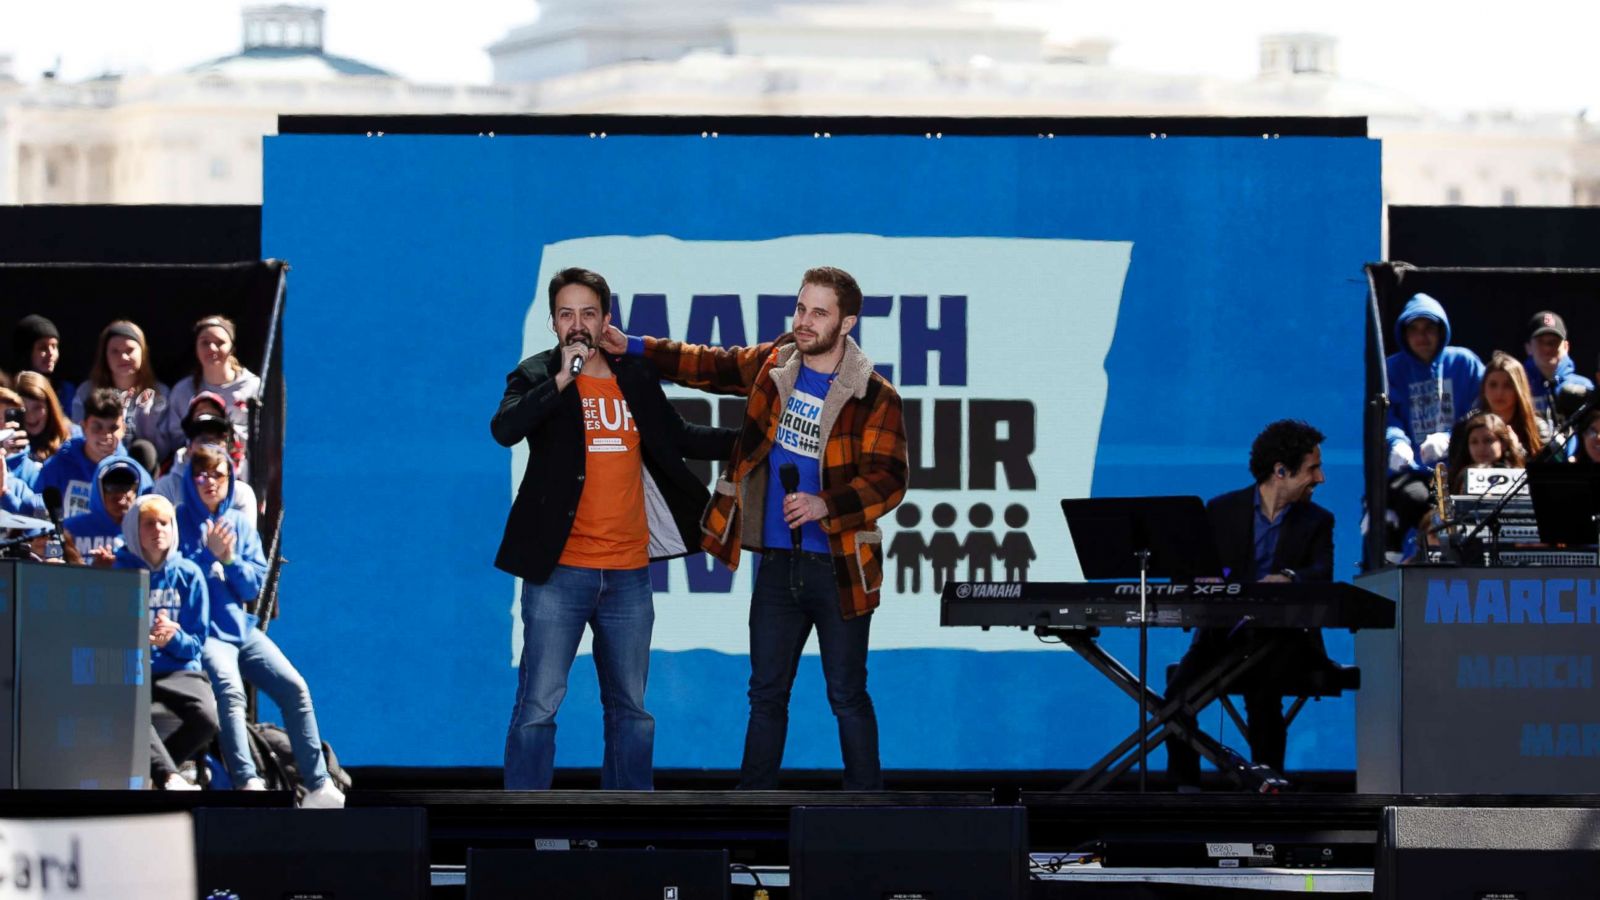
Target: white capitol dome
(584,35)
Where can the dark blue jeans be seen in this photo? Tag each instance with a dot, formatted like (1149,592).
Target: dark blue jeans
(617,605)
(781,620)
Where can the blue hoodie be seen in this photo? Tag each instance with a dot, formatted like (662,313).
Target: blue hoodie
(95,528)
(178,587)
(24,467)
(1544,392)
(231,586)
(1428,396)
(71,473)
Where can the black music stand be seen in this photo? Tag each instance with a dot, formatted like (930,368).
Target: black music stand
(1144,538)
(1566,501)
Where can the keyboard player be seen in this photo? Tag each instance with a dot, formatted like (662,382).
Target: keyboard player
(1269,531)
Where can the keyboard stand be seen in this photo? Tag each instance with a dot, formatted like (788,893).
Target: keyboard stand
(1211,684)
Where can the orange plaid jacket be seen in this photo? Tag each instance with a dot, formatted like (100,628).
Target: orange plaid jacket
(864,463)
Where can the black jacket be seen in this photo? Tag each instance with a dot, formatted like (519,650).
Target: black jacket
(1305,541)
(551,421)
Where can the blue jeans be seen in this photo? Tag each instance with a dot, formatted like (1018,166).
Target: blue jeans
(781,618)
(617,605)
(259,661)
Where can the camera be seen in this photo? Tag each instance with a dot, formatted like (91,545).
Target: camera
(14,417)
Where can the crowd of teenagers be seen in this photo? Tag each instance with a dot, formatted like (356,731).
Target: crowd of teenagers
(1448,407)
(140,474)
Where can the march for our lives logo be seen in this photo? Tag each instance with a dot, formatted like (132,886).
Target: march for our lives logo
(1433,406)
(800,428)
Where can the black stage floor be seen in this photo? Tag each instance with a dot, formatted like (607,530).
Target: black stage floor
(1120,829)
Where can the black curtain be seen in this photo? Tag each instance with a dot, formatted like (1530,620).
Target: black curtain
(1489,308)
(1498,236)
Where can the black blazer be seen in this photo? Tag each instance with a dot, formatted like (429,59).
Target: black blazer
(551,421)
(1305,541)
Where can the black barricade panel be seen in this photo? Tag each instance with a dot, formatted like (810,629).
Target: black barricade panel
(272,854)
(863,853)
(1471,853)
(585,874)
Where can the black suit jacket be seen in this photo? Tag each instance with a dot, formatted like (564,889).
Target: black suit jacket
(1305,540)
(551,421)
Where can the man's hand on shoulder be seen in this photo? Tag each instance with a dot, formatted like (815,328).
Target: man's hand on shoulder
(613,341)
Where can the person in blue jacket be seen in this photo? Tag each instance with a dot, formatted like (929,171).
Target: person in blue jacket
(97,534)
(179,611)
(1548,364)
(226,546)
(17,497)
(71,469)
(1431,385)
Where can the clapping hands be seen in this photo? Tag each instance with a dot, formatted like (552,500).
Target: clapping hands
(220,540)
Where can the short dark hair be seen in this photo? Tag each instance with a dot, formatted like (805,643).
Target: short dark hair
(591,280)
(1286,441)
(843,284)
(103,403)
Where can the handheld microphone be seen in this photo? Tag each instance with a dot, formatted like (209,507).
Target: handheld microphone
(576,365)
(52,506)
(789,477)
(1573,400)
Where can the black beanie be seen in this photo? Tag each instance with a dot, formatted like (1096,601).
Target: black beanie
(28,331)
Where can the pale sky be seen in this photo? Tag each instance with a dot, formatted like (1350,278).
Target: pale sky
(1536,55)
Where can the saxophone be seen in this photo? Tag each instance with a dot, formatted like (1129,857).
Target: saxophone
(1444,509)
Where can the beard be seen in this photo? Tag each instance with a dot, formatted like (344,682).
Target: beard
(823,343)
(578,336)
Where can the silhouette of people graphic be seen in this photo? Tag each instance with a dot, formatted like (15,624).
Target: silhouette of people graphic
(980,547)
(908,548)
(944,548)
(1016,551)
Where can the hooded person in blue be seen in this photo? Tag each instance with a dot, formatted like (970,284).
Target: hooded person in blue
(179,615)
(1431,385)
(98,533)
(1548,364)
(224,543)
(71,469)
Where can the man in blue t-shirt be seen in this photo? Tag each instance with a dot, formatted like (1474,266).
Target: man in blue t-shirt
(797,442)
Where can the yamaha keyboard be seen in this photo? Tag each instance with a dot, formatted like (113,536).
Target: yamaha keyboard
(1059,604)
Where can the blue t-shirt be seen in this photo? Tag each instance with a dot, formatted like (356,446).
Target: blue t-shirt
(799,440)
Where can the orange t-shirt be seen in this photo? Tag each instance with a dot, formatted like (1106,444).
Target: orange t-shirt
(610,530)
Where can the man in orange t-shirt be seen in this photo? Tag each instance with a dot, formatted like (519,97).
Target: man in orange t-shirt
(605,492)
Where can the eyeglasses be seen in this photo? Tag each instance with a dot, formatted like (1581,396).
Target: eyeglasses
(1592,434)
(210,476)
(116,490)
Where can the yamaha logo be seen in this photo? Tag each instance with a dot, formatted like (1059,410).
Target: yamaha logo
(991,591)
(963,591)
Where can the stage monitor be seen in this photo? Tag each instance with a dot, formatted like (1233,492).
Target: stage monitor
(586,874)
(871,853)
(1470,853)
(273,854)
